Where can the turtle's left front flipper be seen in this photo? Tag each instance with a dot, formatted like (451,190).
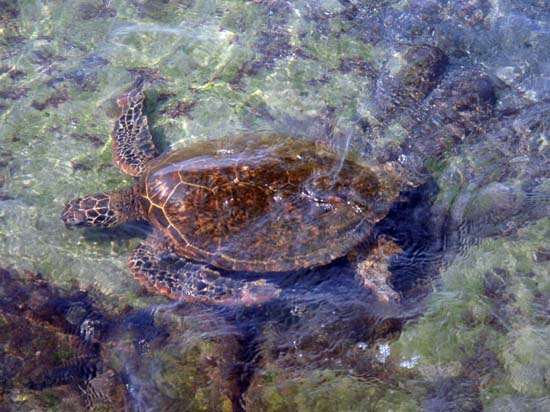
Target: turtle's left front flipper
(133,144)
(192,281)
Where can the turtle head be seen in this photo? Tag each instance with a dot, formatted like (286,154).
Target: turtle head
(100,210)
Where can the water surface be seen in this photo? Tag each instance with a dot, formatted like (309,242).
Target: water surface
(454,94)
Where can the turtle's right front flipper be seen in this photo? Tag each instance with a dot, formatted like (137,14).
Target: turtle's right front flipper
(133,144)
(191,281)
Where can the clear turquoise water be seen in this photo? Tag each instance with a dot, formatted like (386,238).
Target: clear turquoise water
(472,330)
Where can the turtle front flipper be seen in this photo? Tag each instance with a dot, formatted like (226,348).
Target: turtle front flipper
(179,278)
(133,144)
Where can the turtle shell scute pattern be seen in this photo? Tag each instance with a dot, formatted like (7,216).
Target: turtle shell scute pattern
(262,207)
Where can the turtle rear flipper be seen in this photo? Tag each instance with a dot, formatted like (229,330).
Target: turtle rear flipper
(373,269)
(133,144)
(191,281)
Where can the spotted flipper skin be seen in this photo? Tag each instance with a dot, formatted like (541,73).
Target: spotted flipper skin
(192,281)
(133,144)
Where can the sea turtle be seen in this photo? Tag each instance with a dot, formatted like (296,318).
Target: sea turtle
(249,204)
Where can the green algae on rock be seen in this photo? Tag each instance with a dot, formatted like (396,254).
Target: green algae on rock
(275,390)
(489,319)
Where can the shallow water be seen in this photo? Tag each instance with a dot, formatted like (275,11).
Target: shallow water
(454,95)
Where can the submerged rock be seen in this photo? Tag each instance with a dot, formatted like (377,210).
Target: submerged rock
(60,351)
(408,78)
(488,323)
(194,362)
(49,350)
